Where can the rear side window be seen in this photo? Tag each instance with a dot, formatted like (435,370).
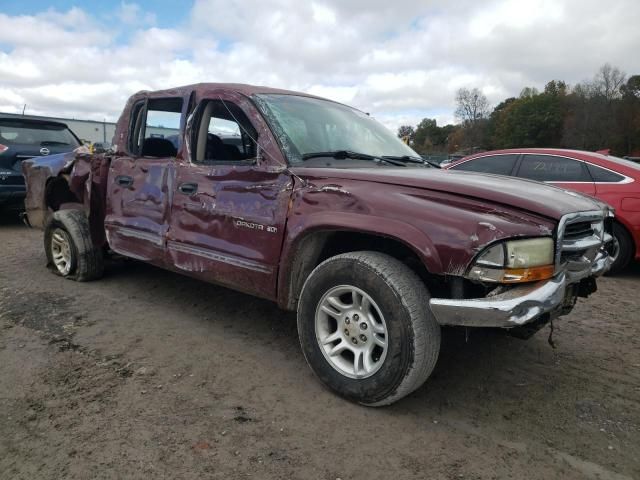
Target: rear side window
(497,164)
(19,132)
(548,168)
(603,175)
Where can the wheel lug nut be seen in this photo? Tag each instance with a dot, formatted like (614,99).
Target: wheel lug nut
(363,338)
(355,317)
(346,332)
(347,321)
(363,326)
(354,341)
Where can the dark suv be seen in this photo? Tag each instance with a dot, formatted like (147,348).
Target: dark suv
(22,138)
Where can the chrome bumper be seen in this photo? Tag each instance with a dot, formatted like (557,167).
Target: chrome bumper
(521,304)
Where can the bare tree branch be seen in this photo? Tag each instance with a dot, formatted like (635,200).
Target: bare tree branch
(472,105)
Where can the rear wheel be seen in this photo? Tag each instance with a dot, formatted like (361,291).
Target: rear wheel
(70,251)
(622,250)
(366,328)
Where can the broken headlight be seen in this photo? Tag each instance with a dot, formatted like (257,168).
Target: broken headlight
(515,261)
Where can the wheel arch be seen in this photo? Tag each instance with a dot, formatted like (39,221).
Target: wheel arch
(311,247)
(58,195)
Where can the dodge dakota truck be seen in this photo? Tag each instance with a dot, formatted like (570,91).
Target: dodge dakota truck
(316,206)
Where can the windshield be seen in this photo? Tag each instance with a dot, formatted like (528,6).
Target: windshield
(16,132)
(310,125)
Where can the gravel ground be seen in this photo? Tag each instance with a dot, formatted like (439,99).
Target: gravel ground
(149,374)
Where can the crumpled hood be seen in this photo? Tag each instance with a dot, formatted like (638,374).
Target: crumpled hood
(538,198)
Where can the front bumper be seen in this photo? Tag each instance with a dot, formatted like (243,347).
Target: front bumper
(522,304)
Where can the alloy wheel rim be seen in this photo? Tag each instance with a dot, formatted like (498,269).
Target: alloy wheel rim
(615,249)
(351,331)
(61,251)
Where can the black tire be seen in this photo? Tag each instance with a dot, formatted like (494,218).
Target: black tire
(413,335)
(625,249)
(86,261)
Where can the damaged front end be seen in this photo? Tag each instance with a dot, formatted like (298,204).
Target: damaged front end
(39,172)
(525,299)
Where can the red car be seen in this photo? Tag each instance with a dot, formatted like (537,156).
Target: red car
(611,179)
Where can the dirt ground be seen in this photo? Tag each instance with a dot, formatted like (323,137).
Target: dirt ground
(148,374)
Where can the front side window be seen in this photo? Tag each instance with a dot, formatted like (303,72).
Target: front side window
(496,164)
(155,130)
(549,168)
(307,125)
(223,133)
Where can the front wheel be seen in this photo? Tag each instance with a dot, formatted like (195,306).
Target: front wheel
(623,249)
(366,329)
(69,248)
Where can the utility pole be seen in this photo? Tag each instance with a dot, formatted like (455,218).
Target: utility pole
(23,108)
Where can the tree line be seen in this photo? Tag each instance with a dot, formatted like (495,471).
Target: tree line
(599,114)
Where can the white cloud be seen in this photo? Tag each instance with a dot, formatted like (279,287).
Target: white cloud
(323,14)
(50,29)
(515,14)
(131,14)
(399,60)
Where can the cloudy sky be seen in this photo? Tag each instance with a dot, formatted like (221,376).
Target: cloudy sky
(401,60)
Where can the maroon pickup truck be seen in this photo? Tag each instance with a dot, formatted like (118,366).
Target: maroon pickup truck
(316,206)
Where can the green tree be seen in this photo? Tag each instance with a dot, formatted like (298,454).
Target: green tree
(423,139)
(532,120)
(430,138)
(603,112)
(631,88)
(556,87)
(528,92)
(406,131)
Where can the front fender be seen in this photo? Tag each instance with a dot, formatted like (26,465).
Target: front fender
(446,231)
(330,208)
(37,173)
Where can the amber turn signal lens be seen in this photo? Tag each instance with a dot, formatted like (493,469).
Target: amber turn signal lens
(532,274)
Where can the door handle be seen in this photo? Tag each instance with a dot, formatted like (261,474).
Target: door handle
(124,180)
(188,188)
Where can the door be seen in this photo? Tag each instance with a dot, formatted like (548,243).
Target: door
(231,198)
(138,191)
(564,172)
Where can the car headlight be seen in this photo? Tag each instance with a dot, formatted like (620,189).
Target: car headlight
(515,261)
